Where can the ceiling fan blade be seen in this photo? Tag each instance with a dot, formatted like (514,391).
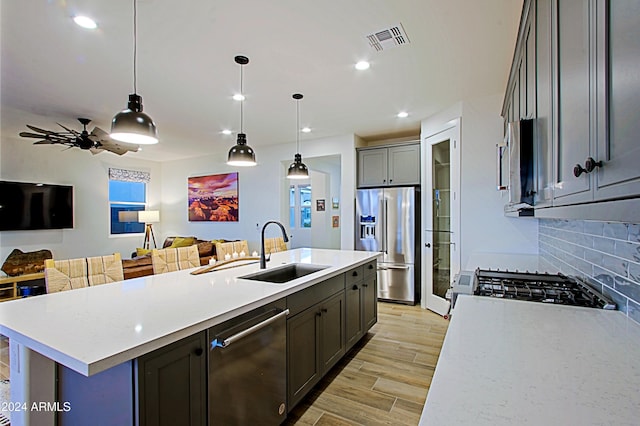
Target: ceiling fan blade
(43,142)
(73,132)
(31,135)
(95,151)
(37,129)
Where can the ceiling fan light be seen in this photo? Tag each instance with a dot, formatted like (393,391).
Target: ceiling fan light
(241,154)
(297,169)
(134,126)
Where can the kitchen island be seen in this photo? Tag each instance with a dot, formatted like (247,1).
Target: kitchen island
(509,362)
(95,329)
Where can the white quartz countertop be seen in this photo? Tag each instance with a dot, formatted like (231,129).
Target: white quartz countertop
(92,329)
(508,362)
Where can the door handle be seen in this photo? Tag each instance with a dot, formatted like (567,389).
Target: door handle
(427,245)
(244,333)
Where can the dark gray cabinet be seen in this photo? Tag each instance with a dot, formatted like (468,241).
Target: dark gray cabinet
(172,384)
(389,165)
(315,342)
(361,302)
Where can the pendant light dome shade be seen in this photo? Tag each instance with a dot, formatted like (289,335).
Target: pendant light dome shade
(134,126)
(297,169)
(241,154)
(131,125)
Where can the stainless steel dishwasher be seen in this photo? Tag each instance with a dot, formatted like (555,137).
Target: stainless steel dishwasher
(247,368)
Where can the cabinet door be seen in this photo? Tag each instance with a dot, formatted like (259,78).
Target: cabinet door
(572,100)
(303,361)
(172,384)
(404,165)
(369,302)
(372,167)
(353,313)
(619,99)
(332,339)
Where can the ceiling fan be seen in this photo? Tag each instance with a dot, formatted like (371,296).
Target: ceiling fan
(96,141)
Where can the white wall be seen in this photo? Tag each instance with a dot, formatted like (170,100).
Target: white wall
(483,226)
(88,173)
(259,189)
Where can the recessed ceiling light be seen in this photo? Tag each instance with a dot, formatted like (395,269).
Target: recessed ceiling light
(305,130)
(362,65)
(85,22)
(226,132)
(403,114)
(238,97)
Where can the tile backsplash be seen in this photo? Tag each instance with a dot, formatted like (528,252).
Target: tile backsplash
(606,254)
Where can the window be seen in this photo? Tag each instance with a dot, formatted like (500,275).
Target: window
(127,195)
(300,206)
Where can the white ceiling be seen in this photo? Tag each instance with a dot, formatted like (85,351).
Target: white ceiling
(459,49)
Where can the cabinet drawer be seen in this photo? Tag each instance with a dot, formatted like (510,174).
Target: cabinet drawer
(370,268)
(354,275)
(301,300)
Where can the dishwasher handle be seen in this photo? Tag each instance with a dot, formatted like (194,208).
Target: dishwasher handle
(244,333)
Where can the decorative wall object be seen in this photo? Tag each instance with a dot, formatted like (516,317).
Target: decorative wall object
(335,203)
(213,198)
(320,205)
(335,221)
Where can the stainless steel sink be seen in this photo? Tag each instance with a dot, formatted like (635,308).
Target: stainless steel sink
(284,274)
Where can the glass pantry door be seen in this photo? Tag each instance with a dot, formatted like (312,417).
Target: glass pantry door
(441,258)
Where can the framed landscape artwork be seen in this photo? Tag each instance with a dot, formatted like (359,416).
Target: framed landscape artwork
(213,198)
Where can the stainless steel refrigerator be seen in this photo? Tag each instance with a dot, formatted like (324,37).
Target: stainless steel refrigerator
(387,220)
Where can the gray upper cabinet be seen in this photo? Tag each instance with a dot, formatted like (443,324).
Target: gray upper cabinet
(618,94)
(583,56)
(574,109)
(390,165)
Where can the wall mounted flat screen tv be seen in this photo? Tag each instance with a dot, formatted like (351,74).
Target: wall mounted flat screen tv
(30,206)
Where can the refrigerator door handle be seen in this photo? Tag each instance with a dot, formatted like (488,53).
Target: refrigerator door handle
(399,268)
(386,227)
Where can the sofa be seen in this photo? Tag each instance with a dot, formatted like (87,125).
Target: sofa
(140,263)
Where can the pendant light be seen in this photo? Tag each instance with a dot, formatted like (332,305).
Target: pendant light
(132,125)
(297,169)
(241,154)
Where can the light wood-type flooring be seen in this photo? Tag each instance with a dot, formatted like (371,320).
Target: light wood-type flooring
(384,379)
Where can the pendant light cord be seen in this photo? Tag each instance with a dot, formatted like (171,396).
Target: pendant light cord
(297,126)
(242,101)
(135,46)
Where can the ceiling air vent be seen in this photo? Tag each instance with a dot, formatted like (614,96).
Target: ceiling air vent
(388,38)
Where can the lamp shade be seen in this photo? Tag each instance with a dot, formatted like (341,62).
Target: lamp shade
(148,216)
(297,169)
(132,125)
(241,154)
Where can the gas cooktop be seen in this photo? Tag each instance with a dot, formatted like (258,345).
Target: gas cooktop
(535,287)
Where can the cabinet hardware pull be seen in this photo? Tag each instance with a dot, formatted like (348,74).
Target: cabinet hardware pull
(590,164)
(355,287)
(370,266)
(324,310)
(365,285)
(578,170)
(427,245)
(318,314)
(355,273)
(198,352)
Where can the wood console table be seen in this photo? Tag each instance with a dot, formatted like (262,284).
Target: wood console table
(9,285)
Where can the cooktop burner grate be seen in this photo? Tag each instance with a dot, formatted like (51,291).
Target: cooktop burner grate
(535,287)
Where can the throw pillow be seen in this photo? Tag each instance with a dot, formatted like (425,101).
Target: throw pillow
(182,242)
(142,251)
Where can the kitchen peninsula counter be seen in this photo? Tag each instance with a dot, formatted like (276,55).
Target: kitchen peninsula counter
(509,362)
(95,328)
